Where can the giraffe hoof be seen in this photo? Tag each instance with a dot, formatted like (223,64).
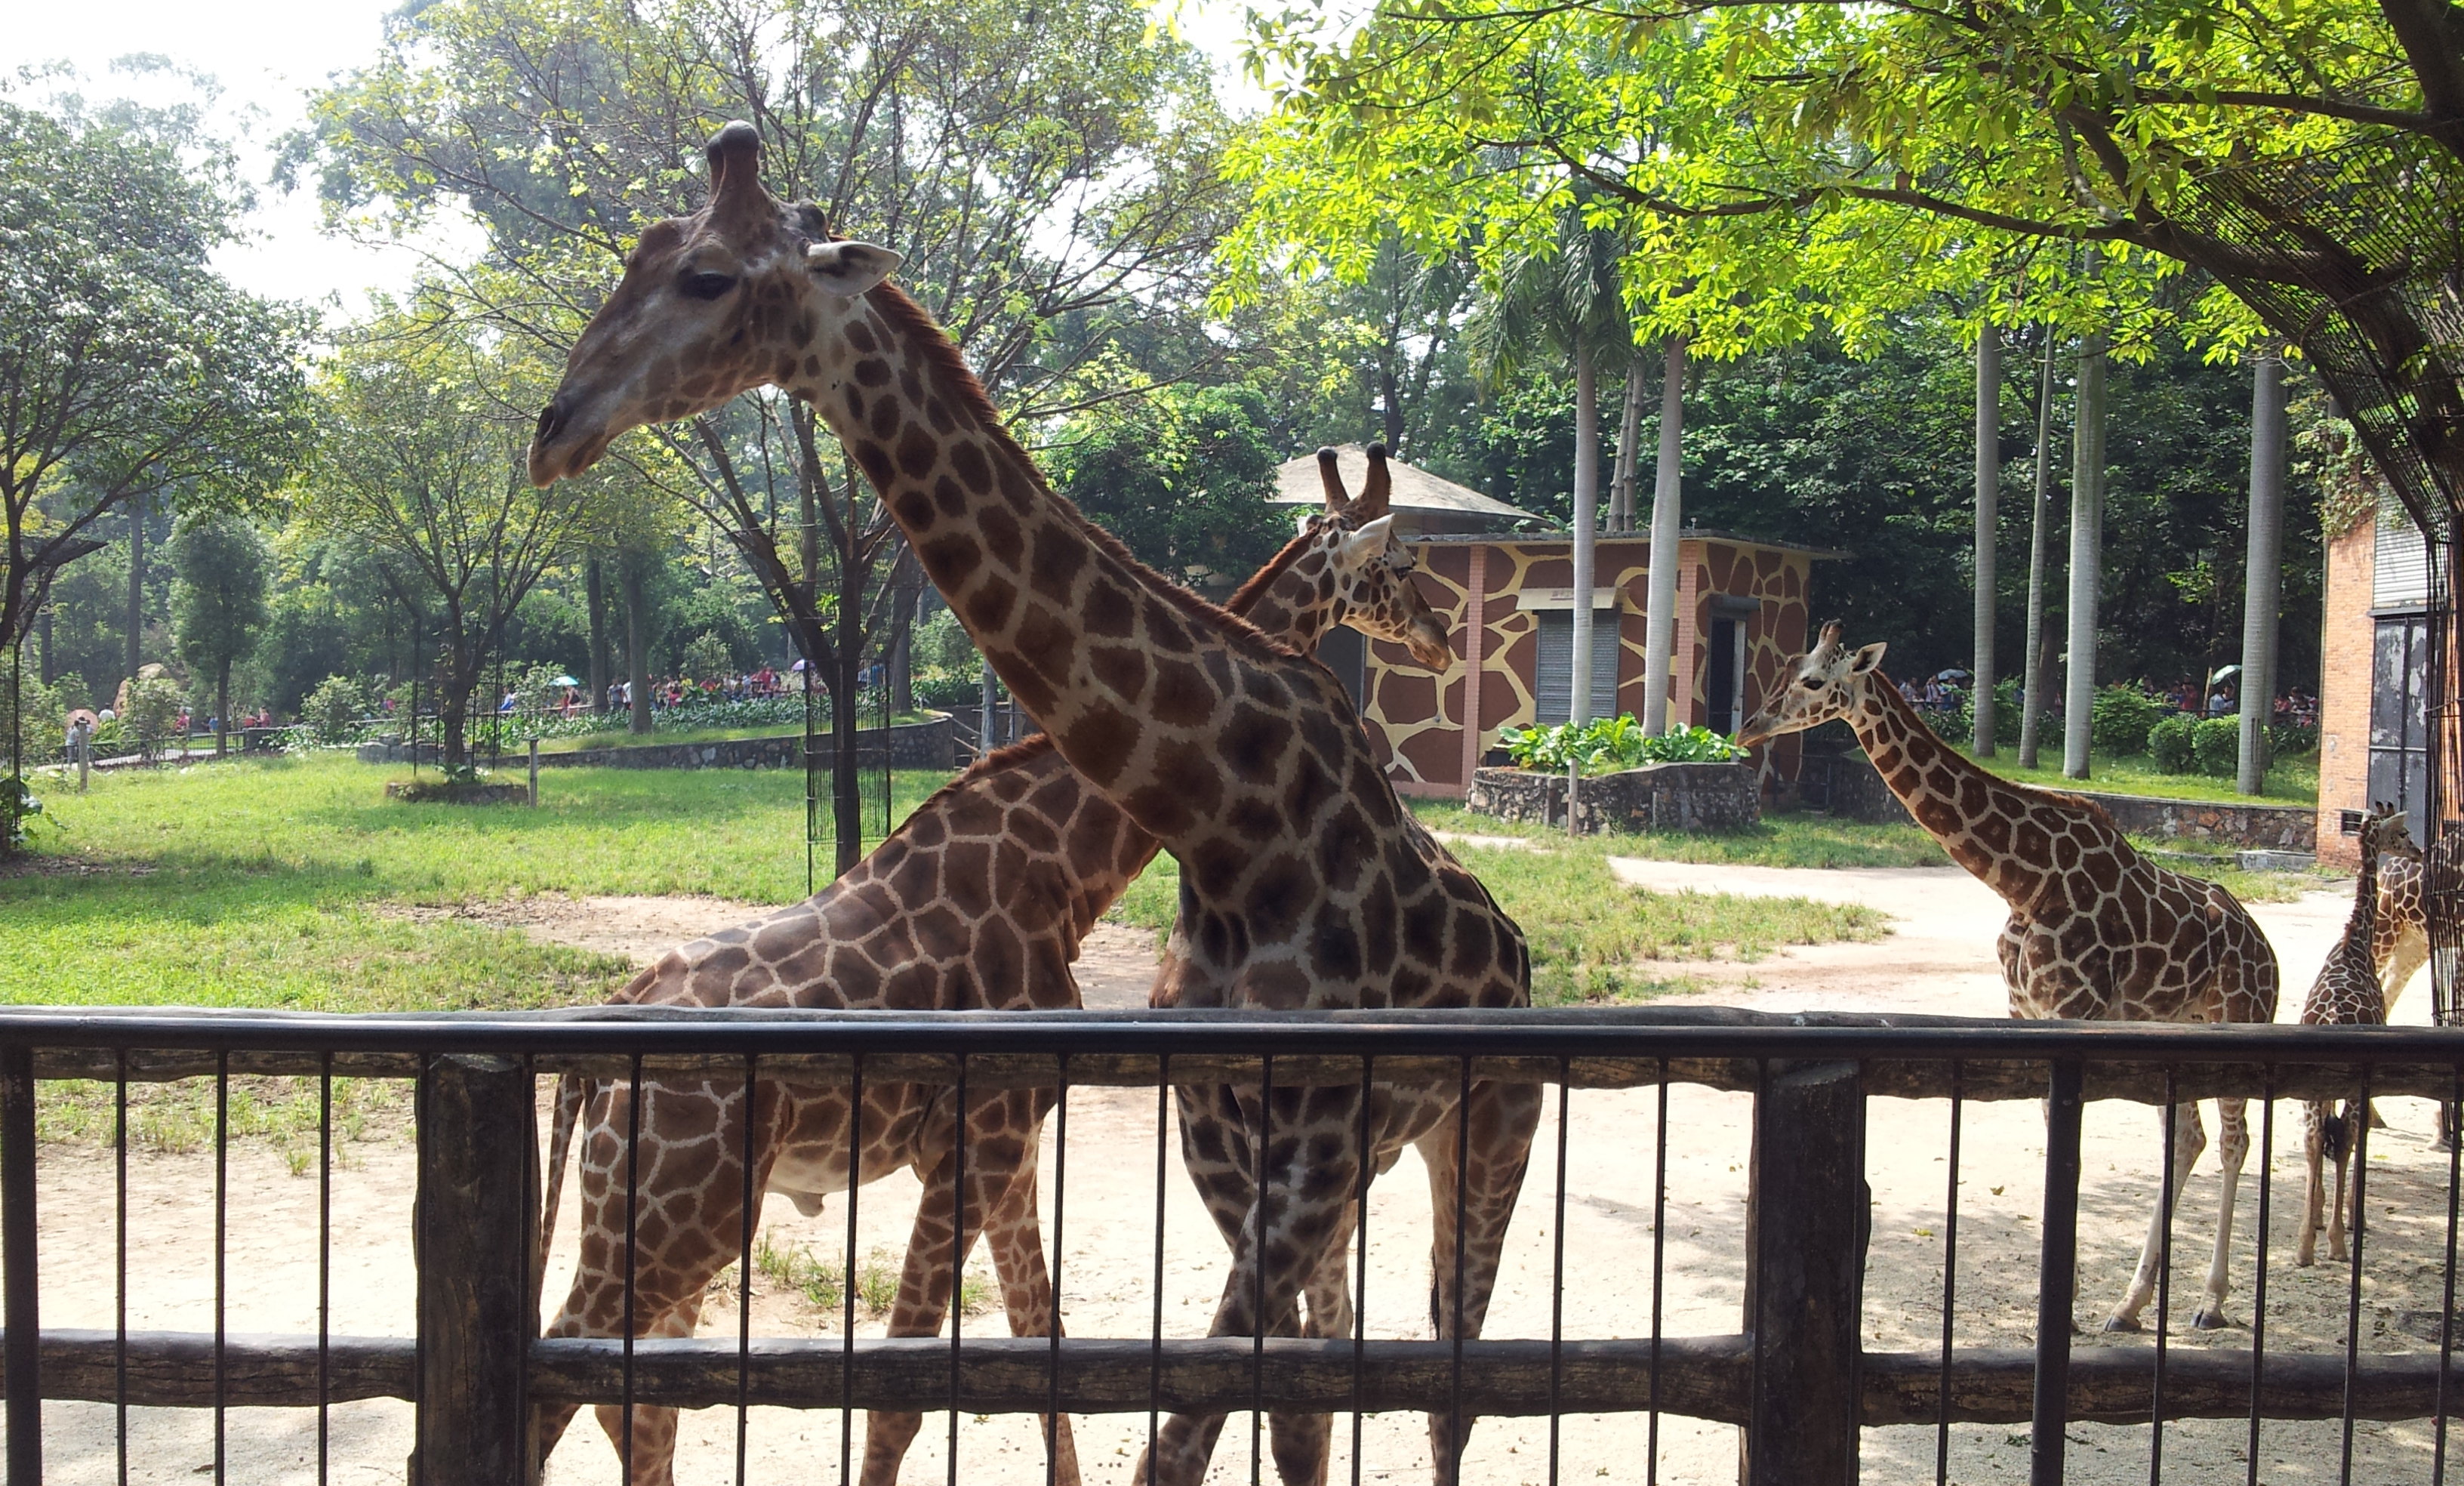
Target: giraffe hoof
(2212,1320)
(2121,1323)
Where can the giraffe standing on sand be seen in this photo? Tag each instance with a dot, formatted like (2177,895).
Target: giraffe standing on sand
(2347,994)
(978,902)
(1305,884)
(2096,932)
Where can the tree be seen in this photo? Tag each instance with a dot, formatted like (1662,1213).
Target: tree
(424,463)
(218,605)
(1182,477)
(129,369)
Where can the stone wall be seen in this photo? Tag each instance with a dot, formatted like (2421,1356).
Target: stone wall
(1695,797)
(1857,793)
(912,746)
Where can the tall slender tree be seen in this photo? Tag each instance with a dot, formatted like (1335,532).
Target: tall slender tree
(218,606)
(1667,514)
(2087,557)
(1989,487)
(2262,579)
(2040,530)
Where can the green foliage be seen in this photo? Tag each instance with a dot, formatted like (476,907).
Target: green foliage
(2173,743)
(2215,747)
(1182,477)
(1606,744)
(2120,718)
(152,715)
(947,669)
(333,708)
(218,606)
(18,811)
(41,711)
(705,657)
(2292,740)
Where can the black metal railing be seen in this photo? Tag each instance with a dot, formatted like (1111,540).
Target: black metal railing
(1796,1378)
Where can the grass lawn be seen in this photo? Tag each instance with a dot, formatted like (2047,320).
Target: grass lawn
(620,738)
(2289,781)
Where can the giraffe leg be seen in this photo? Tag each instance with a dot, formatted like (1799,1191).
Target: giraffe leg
(1303,1442)
(929,1280)
(2190,1139)
(1302,1204)
(1016,1239)
(2314,1144)
(2346,1128)
(1502,1119)
(2233,1149)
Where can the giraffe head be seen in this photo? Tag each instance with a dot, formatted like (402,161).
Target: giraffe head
(745,291)
(1823,683)
(2386,835)
(1372,568)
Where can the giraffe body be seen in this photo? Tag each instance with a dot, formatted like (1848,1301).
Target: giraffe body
(2096,932)
(979,900)
(2349,993)
(1305,884)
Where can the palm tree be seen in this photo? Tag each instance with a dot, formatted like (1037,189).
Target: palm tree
(1565,297)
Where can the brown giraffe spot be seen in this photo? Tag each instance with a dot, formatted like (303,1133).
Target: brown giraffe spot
(1120,670)
(911,383)
(1253,817)
(1251,744)
(937,413)
(1311,787)
(859,334)
(918,454)
(1016,486)
(855,402)
(1060,556)
(812,367)
(873,371)
(1424,929)
(967,877)
(1001,531)
(1187,769)
(1215,864)
(1379,923)
(1276,897)
(804,328)
(1109,611)
(884,421)
(1160,808)
(915,511)
(988,608)
(876,461)
(1046,641)
(1100,741)
(1334,947)
(947,495)
(1182,699)
(1344,847)
(785,370)
(1474,943)
(967,457)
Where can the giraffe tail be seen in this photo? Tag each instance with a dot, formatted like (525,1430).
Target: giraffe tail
(571,1091)
(2335,1133)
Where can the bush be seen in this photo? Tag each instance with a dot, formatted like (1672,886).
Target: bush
(2216,745)
(151,714)
(332,709)
(2292,740)
(2170,743)
(1611,743)
(41,714)
(2120,718)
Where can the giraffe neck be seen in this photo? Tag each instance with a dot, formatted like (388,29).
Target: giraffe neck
(2363,924)
(1123,669)
(1947,792)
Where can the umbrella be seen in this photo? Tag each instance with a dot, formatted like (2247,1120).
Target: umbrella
(798,666)
(565,681)
(90,720)
(2224,674)
(1955,673)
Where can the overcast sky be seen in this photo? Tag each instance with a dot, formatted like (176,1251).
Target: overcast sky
(268,54)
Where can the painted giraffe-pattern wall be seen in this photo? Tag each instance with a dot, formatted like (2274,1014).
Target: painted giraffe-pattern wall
(1417,715)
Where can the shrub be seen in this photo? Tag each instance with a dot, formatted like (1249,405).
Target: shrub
(2169,743)
(332,708)
(152,713)
(1611,743)
(2217,745)
(2292,740)
(2120,718)
(40,712)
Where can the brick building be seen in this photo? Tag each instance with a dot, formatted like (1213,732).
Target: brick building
(2373,717)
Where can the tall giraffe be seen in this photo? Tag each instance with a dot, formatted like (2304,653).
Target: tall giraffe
(2348,993)
(1305,884)
(978,902)
(2096,932)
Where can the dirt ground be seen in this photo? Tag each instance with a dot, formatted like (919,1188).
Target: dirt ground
(1939,960)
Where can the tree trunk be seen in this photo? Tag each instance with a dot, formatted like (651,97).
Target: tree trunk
(44,631)
(1989,484)
(457,673)
(2087,548)
(898,653)
(2260,582)
(846,792)
(2040,524)
(1660,622)
(595,585)
(135,585)
(222,707)
(637,642)
(1391,406)
(1628,457)
(1587,525)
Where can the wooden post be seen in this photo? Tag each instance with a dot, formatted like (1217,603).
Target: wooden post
(1806,1223)
(534,773)
(23,1289)
(476,1224)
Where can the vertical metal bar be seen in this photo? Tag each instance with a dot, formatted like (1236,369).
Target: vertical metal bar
(2164,1278)
(744,1276)
(1060,1208)
(2447,1302)
(2057,1275)
(632,1247)
(1360,1246)
(21,1288)
(1154,1365)
(1557,1271)
(421,1087)
(847,1288)
(2259,1294)
(1258,1268)
(1450,1470)
(957,1256)
(324,1266)
(222,1235)
(2359,1116)
(1950,1280)
(1659,1270)
(120,1263)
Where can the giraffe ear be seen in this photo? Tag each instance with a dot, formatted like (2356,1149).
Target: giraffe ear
(850,268)
(1867,658)
(1336,499)
(1366,544)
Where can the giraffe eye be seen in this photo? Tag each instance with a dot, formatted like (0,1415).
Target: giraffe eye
(705,285)
(1808,682)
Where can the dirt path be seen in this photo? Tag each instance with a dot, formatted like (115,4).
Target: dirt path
(1939,962)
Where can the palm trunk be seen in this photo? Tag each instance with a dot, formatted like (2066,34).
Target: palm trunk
(2260,583)
(2087,553)
(2040,523)
(1660,622)
(222,707)
(1587,505)
(595,586)
(136,585)
(1629,432)
(1989,484)
(637,642)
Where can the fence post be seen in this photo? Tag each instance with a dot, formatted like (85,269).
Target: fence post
(2056,1276)
(1808,1219)
(20,1310)
(477,1221)
(534,773)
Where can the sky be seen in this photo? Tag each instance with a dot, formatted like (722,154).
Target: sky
(268,55)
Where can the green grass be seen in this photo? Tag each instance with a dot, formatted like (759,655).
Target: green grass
(1789,840)
(620,737)
(1590,934)
(2289,781)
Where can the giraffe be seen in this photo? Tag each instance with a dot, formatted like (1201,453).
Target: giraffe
(2400,939)
(1305,884)
(2348,993)
(979,900)
(2096,932)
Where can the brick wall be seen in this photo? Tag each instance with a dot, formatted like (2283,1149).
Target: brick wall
(2344,693)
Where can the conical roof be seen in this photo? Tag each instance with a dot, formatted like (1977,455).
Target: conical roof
(1297,483)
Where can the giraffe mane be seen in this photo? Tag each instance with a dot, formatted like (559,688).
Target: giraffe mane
(1264,577)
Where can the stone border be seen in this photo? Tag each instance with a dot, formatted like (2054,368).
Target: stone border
(1858,793)
(1691,797)
(931,745)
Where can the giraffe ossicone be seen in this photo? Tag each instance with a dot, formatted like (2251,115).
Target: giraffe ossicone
(2096,931)
(1305,884)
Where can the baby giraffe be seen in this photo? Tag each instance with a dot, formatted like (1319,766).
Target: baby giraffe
(2349,993)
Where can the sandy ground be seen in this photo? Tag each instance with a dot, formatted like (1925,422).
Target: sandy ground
(1939,960)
